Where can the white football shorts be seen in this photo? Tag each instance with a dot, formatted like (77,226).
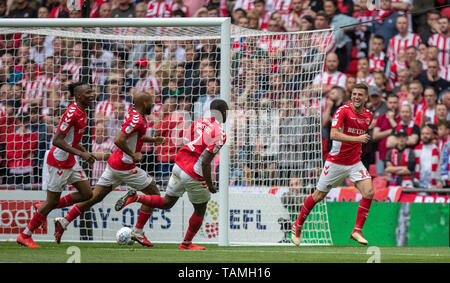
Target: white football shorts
(56,179)
(136,178)
(334,175)
(180,182)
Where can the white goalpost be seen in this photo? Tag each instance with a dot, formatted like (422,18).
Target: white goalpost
(268,166)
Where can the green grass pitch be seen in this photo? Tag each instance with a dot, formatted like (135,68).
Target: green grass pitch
(50,252)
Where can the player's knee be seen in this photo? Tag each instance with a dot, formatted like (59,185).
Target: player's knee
(369,193)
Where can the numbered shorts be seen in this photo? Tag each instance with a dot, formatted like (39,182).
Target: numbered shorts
(55,179)
(334,175)
(180,182)
(136,178)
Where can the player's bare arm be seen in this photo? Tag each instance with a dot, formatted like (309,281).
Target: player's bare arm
(206,169)
(59,142)
(157,140)
(336,135)
(121,142)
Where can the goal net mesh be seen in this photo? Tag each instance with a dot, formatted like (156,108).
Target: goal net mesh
(274,124)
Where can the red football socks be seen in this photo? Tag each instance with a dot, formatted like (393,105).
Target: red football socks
(306,209)
(34,223)
(74,213)
(195,222)
(142,218)
(65,201)
(151,200)
(361,214)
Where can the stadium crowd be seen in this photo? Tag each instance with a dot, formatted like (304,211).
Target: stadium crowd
(405,60)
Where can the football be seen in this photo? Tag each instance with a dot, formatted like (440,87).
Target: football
(123,236)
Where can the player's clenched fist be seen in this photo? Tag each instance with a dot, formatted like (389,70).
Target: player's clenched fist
(89,158)
(137,156)
(364,138)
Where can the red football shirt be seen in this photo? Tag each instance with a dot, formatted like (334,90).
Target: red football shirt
(205,134)
(134,127)
(72,124)
(353,124)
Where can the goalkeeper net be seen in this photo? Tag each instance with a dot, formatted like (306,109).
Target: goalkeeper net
(274,126)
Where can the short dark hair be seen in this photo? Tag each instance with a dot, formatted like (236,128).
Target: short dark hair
(73,88)
(219,104)
(361,86)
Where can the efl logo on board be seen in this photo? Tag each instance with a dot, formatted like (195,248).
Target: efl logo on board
(15,215)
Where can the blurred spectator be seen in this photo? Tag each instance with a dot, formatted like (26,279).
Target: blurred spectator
(396,50)
(334,100)
(385,20)
(158,66)
(23,9)
(331,76)
(101,61)
(158,9)
(178,5)
(400,162)
(20,149)
(201,106)
(292,20)
(445,99)
(443,143)
(43,12)
(441,39)
(363,75)
(377,58)
(37,125)
(426,172)
(145,81)
(324,43)
(170,125)
(384,126)
(415,97)
(102,148)
(431,27)
(60,11)
(105,10)
(406,123)
(427,115)
(441,113)
(381,83)
(343,41)
(105,109)
(431,77)
(125,9)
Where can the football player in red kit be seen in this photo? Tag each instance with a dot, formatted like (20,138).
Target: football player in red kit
(191,172)
(348,131)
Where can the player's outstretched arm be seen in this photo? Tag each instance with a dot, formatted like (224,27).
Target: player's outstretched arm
(157,140)
(59,142)
(206,170)
(336,135)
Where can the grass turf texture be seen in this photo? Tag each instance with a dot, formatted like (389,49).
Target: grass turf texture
(169,253)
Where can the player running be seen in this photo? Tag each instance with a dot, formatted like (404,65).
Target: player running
(191,172)
(348,132)
(62,167)
(122,168)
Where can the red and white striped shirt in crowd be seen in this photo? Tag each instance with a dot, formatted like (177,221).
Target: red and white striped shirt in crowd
(158,9)
(377,63)
(148,83)
(264,21)
(100,165)
(423,176)
(106,107)
(335,79)
(247,5)
(325,42)
(39,87)
(175,6)
(444,72)
(273,43)
(443,43)
(2,110)
(368,80)
(74,69)
(289,21)
(283,6)
(396,51)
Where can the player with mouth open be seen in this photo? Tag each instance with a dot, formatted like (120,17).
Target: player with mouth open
(348,131)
